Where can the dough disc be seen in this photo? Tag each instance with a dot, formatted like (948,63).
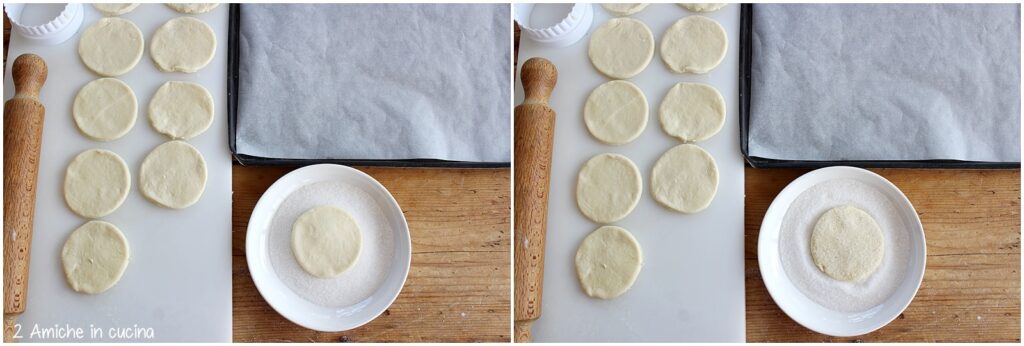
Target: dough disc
(192,8)
(692,112)
(114,9)
(608,262)
(111,47)
(181,110)
(703,7)
(616,112)
(685,178)
(183,44)
(105,109)
(621,48)
(326,241)
(623,9)
(694,44)
(608,188)
(96,182)
(847,244)
(173,175)
(94,257)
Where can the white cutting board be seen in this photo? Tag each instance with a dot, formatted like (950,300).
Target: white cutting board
(691,285)
(179,279)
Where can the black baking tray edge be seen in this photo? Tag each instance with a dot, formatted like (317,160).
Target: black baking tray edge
(746,54)
(245,160)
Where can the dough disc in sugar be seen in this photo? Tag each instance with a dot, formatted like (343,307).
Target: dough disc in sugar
(181,110)
(685,178)
(694,44)
(94,257)
(608,188)
(105,109)
(608,262)
(326,241)
(114,9)
(703,7)
(111,47)
(623,9)
(621,48)
(173,175)
(192,8)
(847,244)
(616,112)
(96,182)
(692,112)
(183,44)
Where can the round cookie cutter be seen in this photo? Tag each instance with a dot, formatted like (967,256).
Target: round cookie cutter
(54,31)
(569,30)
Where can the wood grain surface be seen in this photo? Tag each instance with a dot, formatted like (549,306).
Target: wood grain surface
(459,284)
(971,287)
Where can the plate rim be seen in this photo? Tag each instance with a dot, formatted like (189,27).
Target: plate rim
(764,242)
(251,244)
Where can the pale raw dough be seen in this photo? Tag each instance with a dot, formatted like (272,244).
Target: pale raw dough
(94,257)
(621,48)
(326,241)
(183,44)
(703,7)
(608,188)
(114,9)
(608,262)
(692,112)
(181,110)
(616,112)
(192,8)
(96,182)
(173,175)
(685,178)
(694,44)
(847,244)
(111,47)
(105,109)
(623,9)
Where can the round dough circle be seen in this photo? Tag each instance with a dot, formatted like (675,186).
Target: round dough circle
(193,8)
(94,257)
(173,175)
(105,109)
(703,7)
(111,47)
(694,44)
(692,112)
(114,9)
(847,244)
(608,262)
(616,112)
(96,182)
(623,9)
(181,110)
(685,178)
(326,241)
(608,188)
(183,44)
(621,48)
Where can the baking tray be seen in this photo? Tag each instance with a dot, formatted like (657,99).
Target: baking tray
(242,159)
(746,55)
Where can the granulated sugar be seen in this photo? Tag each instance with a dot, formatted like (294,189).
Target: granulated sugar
(371,268)
(794,246)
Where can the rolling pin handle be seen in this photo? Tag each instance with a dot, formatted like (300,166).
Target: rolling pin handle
(29,73)
(539,77)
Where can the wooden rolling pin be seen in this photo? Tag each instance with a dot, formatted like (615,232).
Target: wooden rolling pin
(534,136)
(23,135)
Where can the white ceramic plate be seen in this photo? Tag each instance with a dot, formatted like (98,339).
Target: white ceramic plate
(287,302)
(805,311)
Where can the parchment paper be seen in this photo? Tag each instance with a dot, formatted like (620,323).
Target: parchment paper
(886,82)
(382,81)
